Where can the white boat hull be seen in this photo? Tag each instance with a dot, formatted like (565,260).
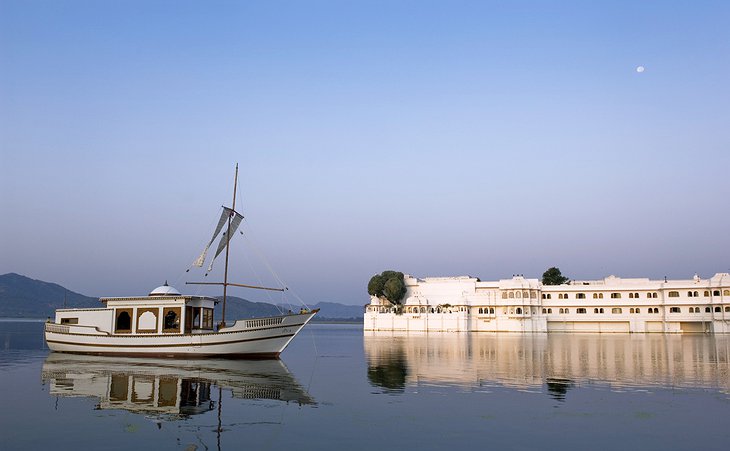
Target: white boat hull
(255,338)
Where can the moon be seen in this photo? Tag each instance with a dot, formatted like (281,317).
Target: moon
(640,69)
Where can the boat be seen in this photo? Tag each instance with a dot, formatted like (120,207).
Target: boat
(166,323)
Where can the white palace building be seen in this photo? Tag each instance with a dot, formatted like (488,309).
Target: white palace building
(466,304)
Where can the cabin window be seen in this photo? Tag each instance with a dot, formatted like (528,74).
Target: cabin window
(580,310)
(675,310)
(615,295)
(580,296)
(69,320)
(674,294)
(616,310)
(171,318)
(147,320)
(123,323)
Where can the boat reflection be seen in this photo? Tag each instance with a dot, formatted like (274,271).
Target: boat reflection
(169,389)
(554,363)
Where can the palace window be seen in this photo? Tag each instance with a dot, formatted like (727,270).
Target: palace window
(595,295)
(691,309)
(581,310)
(511,295)
(504,295)
(560,295)
(716,293)
(717,309)
(518,294)
(631,295)
(519,310)
(638,310)
(533,295)
(491,310)
(706,294)
(525,294)
(580,295)
(616,310)
(598,310)
(481,310)
(726,292)
(674,294)
(689,294)
(727,309)
(600,295)
(631,310)
(656,310)
(567,310)
(615,295)
(549,296)
(708,310)
(675,310)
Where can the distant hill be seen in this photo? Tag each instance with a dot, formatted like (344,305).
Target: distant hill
(23,297)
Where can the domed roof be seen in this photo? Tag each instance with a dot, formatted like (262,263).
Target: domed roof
(165,290)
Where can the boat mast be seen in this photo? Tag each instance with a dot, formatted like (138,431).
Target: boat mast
(228,242)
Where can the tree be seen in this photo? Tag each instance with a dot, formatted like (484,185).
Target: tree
(389,285)
(553,276)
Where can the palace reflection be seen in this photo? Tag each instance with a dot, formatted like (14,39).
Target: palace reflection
(555,362)
(169,389)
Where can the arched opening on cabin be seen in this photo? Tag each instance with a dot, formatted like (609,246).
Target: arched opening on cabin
(123,321)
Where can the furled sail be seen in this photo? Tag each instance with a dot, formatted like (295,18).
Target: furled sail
(235,222)
(224,215)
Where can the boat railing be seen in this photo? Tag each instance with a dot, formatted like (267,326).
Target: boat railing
(74,328)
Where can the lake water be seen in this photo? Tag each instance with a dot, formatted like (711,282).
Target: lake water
(337,387)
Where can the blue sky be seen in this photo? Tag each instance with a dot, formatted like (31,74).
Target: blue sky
(435,138)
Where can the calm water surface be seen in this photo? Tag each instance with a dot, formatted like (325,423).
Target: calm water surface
(338,387)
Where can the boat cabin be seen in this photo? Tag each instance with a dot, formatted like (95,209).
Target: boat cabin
(163,311)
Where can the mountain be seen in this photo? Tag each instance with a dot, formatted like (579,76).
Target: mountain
(22,296)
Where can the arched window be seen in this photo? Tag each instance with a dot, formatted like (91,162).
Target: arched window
(525,294)
(631,295)
(565,295)
(519,310)
(726,292)
(504,295)
(124,321)
(716,293)
(567,310)
(543,296)
(560,311)
(491,310)
(708,310)
(689,294)
(717,309)
(727,308)
(560,295)
(551,310)
(636,295)
(518,294)
(595,295)
(544,310)
(706,294)
(549,296)
(691,309)
(533,295)
(654,295)
(696,294)
(171,320)
(648,295)
(631,310)
(595,310)
(511,295)
(638,310)
(600,295)
(600,310)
